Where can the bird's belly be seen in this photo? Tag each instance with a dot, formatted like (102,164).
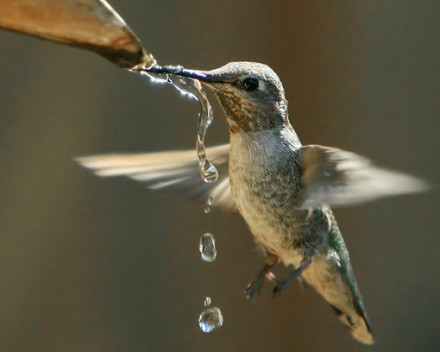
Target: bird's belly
(274,229)
(265,184)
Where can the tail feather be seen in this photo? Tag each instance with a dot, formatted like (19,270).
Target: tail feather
(359,326)
(338,286)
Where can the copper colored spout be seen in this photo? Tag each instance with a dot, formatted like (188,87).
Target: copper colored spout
(88,24)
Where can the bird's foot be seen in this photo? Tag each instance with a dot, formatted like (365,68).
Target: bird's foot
(281,285)
(254,286)
(257,283)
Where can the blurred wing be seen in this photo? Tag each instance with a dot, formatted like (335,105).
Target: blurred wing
(338,177)
(174,169)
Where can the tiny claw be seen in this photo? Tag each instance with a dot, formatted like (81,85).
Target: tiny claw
(279,287)
(249,295)
(254,287)
(257,283)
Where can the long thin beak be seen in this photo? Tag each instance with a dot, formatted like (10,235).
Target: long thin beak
(180,71)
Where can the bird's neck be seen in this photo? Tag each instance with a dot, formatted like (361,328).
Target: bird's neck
(266,142)
(250,119)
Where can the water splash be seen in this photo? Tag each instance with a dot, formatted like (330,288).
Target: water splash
(210,319)
(193,88)
(207,248)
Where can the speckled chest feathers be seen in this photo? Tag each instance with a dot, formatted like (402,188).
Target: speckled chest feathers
(265,171)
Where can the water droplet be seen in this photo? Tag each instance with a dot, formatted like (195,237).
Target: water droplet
(208,171)
(210,319)
(207,209)
(207,247)
(207,301)
(210,200)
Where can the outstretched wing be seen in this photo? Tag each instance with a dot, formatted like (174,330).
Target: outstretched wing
(174,169)
(338,177)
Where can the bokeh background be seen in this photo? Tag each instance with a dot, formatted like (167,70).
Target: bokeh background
(90,264)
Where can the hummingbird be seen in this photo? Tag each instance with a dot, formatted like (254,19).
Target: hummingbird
(284,190)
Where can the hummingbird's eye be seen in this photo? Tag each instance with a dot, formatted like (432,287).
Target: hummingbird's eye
(250,84)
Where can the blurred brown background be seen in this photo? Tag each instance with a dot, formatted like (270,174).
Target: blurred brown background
(90,264)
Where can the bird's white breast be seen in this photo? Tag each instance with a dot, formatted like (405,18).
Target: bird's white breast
(257,186)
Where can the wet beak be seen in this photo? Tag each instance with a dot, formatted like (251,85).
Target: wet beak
(180,71)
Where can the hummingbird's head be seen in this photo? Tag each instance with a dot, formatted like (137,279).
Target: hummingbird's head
(251,94)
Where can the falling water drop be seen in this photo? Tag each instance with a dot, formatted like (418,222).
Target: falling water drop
(207,302)
(209,202)
(207,247)
(210,319)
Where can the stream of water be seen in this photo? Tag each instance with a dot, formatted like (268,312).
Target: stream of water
(211,318)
